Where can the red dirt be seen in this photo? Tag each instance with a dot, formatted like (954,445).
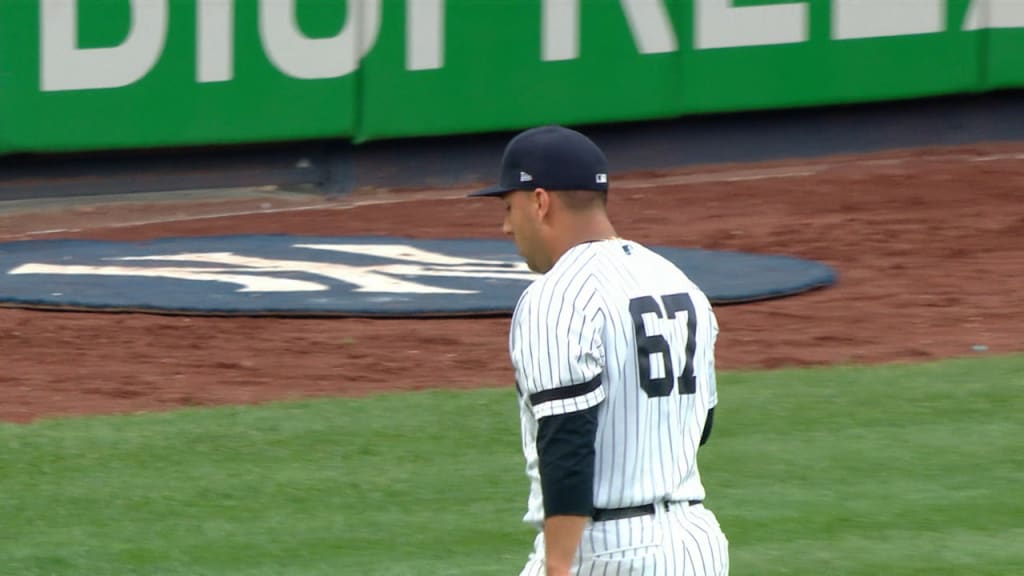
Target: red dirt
(929,245)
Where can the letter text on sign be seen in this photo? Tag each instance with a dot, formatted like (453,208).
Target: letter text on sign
(298,56)
(994,14)
(215,38)
(719,24)
(852,19)
(648,20)
(651,26)
(424,33)
(65,66)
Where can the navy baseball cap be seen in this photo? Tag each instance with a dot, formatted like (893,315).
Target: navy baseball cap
(553,158)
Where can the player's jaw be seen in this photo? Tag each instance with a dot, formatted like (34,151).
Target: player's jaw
(523,225)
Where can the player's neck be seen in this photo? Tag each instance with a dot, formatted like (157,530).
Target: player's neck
(583,230)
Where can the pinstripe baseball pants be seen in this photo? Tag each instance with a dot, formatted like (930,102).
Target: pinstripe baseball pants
(682,541)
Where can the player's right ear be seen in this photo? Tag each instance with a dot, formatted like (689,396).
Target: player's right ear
(541,202)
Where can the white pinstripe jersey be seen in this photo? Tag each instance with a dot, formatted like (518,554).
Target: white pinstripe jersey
(613,323)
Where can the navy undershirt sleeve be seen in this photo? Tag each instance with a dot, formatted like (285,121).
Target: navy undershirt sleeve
(707,427)
(565,448)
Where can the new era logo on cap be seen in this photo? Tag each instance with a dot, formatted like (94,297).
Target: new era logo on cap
(602,178)
(525,177)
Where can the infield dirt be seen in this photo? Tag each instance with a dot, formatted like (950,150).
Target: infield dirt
(929,246)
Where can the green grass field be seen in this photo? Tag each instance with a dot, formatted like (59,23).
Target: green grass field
(894,470)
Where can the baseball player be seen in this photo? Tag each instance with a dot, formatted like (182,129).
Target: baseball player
(613,350)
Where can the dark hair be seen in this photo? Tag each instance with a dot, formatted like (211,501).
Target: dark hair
(577,200)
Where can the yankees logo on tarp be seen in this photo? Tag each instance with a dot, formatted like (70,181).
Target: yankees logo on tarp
(271,273)
(366,276)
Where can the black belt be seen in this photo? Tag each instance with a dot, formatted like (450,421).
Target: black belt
(605,514)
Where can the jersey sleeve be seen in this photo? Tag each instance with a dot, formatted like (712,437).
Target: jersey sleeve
(712,375)
(557,350)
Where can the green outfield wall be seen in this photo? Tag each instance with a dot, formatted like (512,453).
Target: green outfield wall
(78,75)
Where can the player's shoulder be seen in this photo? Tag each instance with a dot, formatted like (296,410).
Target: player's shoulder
(671,273)
(574,267)
(525,301)
(568,280)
